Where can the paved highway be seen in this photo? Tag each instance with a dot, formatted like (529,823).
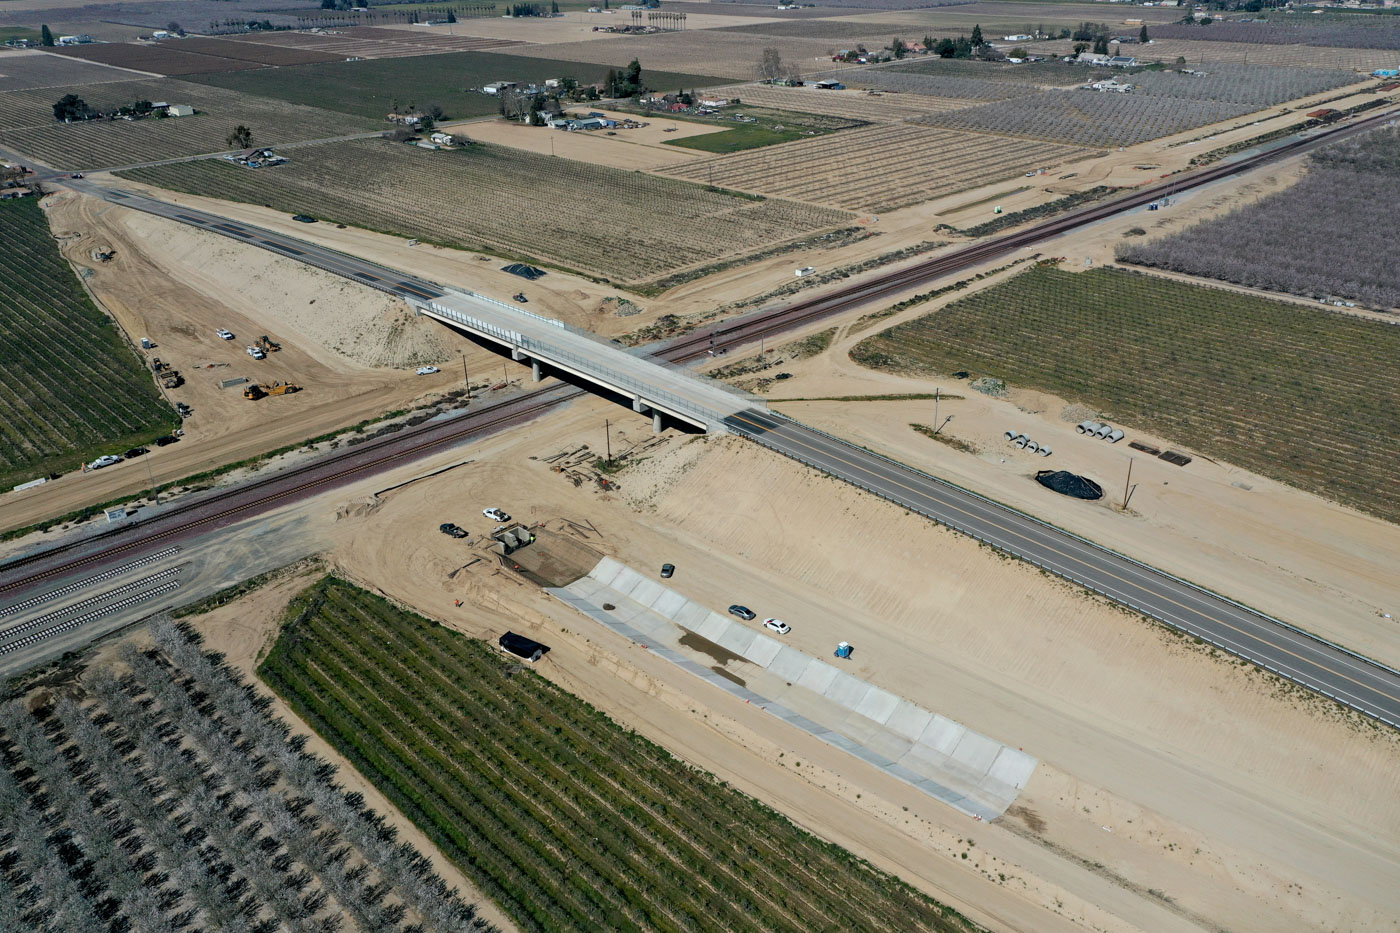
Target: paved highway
(1360,683)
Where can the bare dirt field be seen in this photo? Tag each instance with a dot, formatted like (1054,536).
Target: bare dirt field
(370,42)
(902,165)
(637,148)
(729,54)
(1237,803)
(853,104)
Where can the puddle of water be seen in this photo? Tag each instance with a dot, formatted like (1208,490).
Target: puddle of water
(728,676)
(708,648)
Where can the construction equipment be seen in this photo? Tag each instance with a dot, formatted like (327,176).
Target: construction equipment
(171,378)
(267,344)
(256,391)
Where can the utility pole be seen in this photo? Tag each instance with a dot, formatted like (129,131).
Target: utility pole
(465,381)
(607,429)
(1128,493)
(936,425)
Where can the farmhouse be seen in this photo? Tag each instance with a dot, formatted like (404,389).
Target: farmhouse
(1112,86)
(178,110)
(75,40)
(1021,37)
(1121,61)
(496,87)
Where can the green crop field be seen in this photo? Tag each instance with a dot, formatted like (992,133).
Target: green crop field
(452,81)
(610,223)
(566,820)
(769,127)
(70,387)
(1304,396)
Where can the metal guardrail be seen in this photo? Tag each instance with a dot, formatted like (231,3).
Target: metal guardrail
(1076,580)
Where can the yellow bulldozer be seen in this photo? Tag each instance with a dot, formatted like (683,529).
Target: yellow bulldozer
(256,391)
(267,344)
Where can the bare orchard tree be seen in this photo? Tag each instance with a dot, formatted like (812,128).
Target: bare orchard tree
(771,65)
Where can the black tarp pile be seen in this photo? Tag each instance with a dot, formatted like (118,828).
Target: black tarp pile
(1069,484)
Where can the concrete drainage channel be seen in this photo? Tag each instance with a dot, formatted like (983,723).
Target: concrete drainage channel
(972,773)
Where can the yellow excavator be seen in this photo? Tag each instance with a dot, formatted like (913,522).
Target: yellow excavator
(256,391)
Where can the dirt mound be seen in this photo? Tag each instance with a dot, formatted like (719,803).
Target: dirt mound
(358,508)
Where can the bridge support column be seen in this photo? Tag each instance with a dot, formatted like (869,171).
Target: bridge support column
(638,405)
(535,370)
(655,421)
(517,354)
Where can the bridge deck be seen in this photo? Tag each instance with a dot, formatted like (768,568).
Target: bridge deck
(654,384)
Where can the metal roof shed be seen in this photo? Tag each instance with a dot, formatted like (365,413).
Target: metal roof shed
(527,649)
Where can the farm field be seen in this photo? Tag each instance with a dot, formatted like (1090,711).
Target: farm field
(260,53)
(161,59)
(935,85)
(1303,240)
(170,799)
(853,105)
(370,88)
(1199,53)
(473,750)
(371,42)
(20,70)
(1089,118)
(1258,84)
(1354,32)
(1051,73)
(1286,391)
(70,387)
(732,55)
(903,164)
(29,127)
(616,224)
(770,128)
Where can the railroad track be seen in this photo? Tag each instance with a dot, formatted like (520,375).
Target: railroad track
(260,495)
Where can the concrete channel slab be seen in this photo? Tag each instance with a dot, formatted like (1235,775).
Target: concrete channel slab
(818,676)
(877,704)
(763,650)
(669,604)
(789,664)
(908,720)
(846,690)
(968,771)
(737,639)
(713,628)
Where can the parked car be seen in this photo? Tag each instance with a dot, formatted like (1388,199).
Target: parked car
(76,175)
(257,353)
(743,612)
(167,440)
(224,334)
(777,625)
(455,531)
(667,571)
(106,461)
(135,452)
(520,297)
(495,514)
(304,218)
(428,370)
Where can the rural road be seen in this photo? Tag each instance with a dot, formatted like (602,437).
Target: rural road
(1328,669)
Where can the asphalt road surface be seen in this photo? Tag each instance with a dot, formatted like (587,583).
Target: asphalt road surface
(1318,665)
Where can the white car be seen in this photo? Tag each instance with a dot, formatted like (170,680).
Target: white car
(777,625)
(496,515)
(106,461)
(224,334)
(257,353)
(427,370)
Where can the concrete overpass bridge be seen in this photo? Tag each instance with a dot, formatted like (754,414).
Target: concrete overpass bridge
(655,387)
